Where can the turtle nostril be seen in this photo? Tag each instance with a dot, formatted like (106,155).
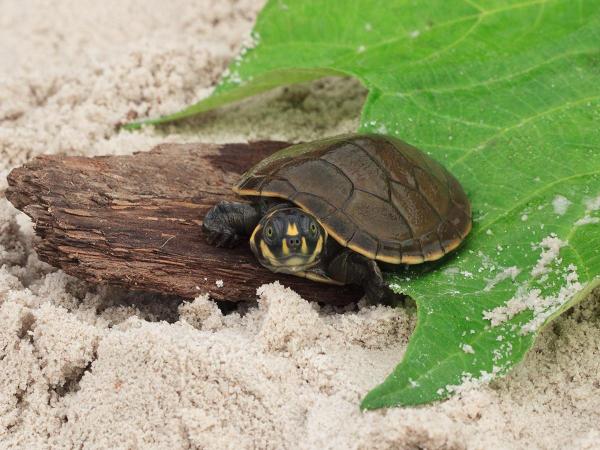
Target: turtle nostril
(293,242)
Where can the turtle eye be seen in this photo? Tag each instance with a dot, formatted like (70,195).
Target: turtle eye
(313,228)
(269,231)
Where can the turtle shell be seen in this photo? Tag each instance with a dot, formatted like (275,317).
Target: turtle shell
(375,194)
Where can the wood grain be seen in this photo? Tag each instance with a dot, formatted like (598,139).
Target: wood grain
(135,221)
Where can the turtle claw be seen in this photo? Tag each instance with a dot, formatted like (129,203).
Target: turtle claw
(381,295)
(210,237)
(377,292)
(224,239)
(227,240)
(217,227)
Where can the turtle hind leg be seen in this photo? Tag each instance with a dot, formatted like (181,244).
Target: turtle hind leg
(353,268)
(226,223)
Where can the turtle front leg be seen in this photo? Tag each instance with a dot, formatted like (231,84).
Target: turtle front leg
(350,267)
(228,222)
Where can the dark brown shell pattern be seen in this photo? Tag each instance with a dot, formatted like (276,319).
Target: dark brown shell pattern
(375,194)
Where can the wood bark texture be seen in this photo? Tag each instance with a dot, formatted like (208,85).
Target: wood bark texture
(135,220)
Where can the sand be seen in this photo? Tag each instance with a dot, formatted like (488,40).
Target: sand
(83,366)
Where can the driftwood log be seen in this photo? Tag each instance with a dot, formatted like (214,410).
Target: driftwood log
(135,221)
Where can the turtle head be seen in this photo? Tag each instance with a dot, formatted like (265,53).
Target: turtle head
(288,240)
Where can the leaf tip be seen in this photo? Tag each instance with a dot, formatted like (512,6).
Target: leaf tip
(131,126)
(376,400)
(368,404)
(148,122)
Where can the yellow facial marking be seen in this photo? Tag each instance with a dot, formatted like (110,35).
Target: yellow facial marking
(317,250)
(320,278)
(295,261)
(304,248)
(252,241)
(284,247)
(271,214)
(267,254)
(292,230)
(319,245)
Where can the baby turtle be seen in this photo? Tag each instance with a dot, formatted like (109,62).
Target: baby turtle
(329,210)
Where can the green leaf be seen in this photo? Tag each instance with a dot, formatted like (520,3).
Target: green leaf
(506,94)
